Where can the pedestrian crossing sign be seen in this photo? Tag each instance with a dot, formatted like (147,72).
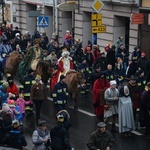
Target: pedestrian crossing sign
(43,21)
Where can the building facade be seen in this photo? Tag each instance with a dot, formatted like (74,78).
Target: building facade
(116,16)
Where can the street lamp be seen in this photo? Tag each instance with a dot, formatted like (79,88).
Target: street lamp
(2,3)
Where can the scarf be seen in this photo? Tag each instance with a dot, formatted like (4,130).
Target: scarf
(42,133)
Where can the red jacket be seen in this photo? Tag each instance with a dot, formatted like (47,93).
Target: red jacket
(13,89)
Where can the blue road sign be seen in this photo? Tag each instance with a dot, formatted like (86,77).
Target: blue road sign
(43,21)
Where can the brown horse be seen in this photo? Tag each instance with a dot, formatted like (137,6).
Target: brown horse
(12,63)
(73,79)
(44,69)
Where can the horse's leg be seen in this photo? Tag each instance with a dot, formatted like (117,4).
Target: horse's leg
(75,97)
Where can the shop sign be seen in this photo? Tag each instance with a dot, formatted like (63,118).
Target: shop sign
(137,18)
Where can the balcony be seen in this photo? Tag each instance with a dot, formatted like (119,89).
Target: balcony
(122,2)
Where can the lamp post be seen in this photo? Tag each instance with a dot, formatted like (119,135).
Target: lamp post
(2,3)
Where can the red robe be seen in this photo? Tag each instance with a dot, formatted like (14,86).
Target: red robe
(99,85)
(56,75)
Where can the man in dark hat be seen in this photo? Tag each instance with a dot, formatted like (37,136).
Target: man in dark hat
(135,95)
(102,60)
(101,139)
(60,94)
(85,69)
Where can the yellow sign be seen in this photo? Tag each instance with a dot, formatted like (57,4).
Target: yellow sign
(96,20)
(97,5)
(100,29)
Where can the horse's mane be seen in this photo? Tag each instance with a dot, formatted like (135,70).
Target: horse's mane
(71,71)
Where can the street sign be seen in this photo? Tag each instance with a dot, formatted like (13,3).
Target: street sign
(96,20)
(97,5)
(137,18)
(67,6)
(100,29)
(43,21)
(34,13)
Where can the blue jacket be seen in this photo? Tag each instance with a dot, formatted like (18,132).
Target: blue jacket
(60,93)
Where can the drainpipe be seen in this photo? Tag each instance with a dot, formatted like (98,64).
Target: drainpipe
(56,17)
(53,16)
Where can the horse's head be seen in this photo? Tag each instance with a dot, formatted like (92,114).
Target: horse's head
(80,77)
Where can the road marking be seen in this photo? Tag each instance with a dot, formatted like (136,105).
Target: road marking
(79,110)
(134,132)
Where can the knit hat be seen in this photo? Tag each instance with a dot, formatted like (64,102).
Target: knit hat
(101,125)
(113,82)
(62,77)
(36,41)
(5,108)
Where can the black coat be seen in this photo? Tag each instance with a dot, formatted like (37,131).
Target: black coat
(5,125)
(59,138)
(15,139)
(111,58)
(132,69)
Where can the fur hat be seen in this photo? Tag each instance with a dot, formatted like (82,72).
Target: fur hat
(17,34)
(36,41)
(65,53)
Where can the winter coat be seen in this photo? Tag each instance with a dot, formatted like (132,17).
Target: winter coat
(110,75)
(132,69)
(5,125)
(13,89)
(84,68)
(142,62)
(60,93)
(37,137)
(146,99)
(141,82)
(99,140)
(38,92)
(59,138)
(102,61)
(15,139)
(3,95)
(111,58)
(21,103)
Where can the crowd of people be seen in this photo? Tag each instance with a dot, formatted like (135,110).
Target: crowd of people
(120,83)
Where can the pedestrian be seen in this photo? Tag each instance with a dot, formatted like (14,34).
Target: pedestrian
(99,87)
(145,104)
(41,137)
(5,121)
(59,135)
(38,95)
(12,87)
(110,75)
(125,111)
(15,138)
(60,94)
(101,139)
(112,97)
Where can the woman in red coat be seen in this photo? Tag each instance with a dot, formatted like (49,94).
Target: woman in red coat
(100,85)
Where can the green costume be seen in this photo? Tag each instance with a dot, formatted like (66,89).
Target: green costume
(32,54)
